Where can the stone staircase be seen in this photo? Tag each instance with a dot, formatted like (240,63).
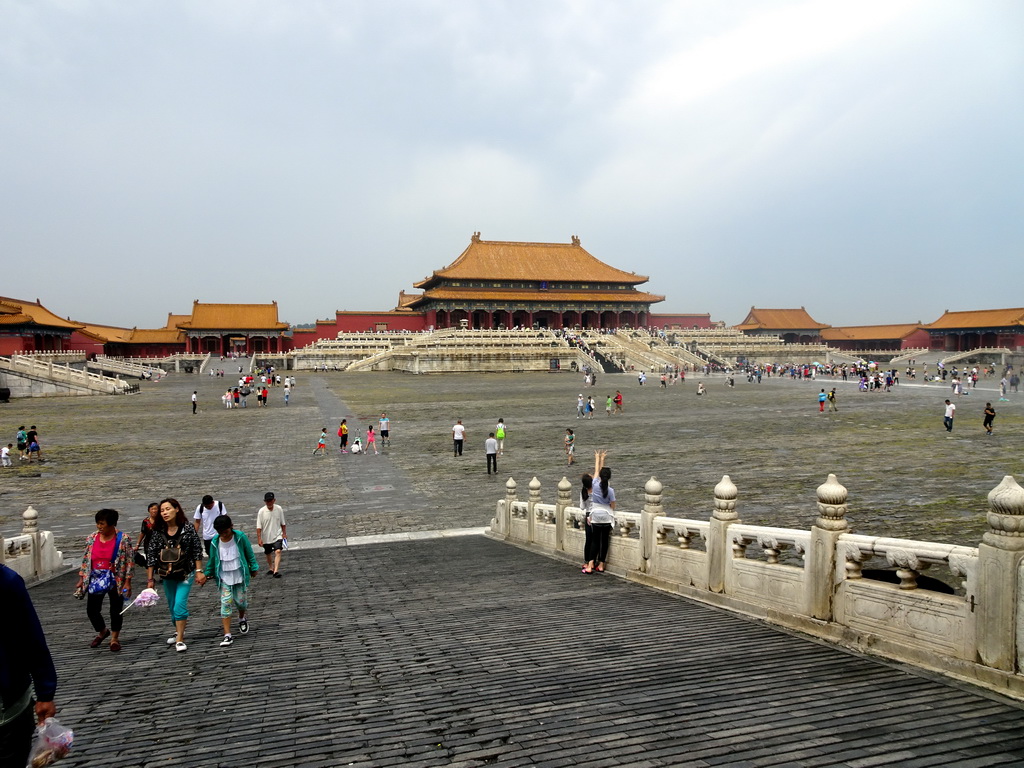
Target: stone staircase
(27,377)
(980,352)
(108,365)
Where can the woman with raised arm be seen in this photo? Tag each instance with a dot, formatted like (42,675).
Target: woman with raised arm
(602,518)
(586,505)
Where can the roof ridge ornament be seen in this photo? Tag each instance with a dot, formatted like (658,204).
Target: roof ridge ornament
(475,238)
(575,240)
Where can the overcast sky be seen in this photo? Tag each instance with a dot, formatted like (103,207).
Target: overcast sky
(862,159)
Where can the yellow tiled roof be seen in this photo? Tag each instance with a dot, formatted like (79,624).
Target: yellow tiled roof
(230,317)
(979,318)
(484,294)
(14,318)
(406,300)
(173,321)
(869,332)
(36,313)
(554,262)
(156,336)
(779,319)
(107,333)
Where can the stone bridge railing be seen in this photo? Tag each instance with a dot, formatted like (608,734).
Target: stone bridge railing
(870,593)
(33,553)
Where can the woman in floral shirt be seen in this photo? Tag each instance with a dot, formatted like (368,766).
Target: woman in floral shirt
(107,569)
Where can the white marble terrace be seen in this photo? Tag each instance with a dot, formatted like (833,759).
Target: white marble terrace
(825,581)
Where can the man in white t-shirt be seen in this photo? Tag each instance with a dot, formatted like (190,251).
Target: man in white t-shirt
(208,511)
(491,449)
(271,533)
(458,436)
(948,418)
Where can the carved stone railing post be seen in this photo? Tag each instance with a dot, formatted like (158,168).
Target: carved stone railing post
(718,547)
(564,500)
(531,515)
(30,520)
(653,490)
(1000,627)
(820,566)
(510,496)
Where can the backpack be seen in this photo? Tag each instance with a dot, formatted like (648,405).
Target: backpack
(172,561)
(500,433)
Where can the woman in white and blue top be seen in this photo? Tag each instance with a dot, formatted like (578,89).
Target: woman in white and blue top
(600,517)
(231,563)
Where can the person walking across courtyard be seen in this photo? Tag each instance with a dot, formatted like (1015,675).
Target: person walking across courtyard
(570,446)
(371,441)
(384,426)
(321,443)
(618,401)
(458,437)
(271,532)
(106,571)
(832,400)
(175,552)
(948,418)
(195,401)
(207,511)
(990,414)
(231,564)
(822,397)
(491,449)
(499,434)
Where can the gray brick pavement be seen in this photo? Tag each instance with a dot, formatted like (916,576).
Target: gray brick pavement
(466,652)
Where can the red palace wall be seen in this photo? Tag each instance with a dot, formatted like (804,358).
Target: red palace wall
(86,344)
(682,321)
(361,322)
(13,345)
(919,338)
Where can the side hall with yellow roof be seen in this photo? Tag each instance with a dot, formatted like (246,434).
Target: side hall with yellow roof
(793,326)
(245,329)
(28,326)
(977,328)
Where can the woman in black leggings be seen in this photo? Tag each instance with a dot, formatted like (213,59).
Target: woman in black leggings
(602,518)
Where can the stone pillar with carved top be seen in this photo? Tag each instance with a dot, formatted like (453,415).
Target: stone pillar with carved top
(718,547)
(506,514)
(1000,619)
(531,514)
(820,563)
(653,490)
(564,500)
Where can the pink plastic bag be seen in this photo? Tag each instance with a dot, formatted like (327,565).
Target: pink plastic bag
(51,742)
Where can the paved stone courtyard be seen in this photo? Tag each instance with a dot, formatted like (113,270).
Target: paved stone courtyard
(463,651)
(906,476)
(468,652)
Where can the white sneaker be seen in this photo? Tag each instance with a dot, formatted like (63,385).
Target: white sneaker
(228,640)
(179,647)
(172,639)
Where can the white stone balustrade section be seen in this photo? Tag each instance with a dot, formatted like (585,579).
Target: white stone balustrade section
(78,381)
(909,558)
(125,368)
(820,588)
(32,553)
(771,540)
(685,530)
